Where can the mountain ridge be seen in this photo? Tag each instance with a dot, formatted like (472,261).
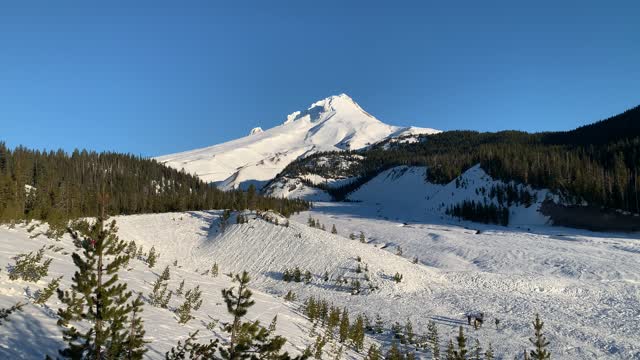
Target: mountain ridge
(335,123)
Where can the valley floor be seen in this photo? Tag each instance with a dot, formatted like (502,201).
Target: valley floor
(585,286)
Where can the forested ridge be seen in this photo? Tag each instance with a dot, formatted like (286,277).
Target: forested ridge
(597,163)
(55,186)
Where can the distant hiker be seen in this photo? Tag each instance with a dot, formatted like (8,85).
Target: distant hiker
(497,323)
(469,319)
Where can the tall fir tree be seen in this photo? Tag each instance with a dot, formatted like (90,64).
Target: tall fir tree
(97,298)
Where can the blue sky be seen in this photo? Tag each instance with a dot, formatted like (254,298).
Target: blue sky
(159,77)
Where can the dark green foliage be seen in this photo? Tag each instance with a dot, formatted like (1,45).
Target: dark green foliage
(373,353)
(215,270)
(193,350)
(152,257)
(134,347)
(479,212)
(344,326)
(397,277)
(96,297)
(394,353)
(180,289)
(64,187)
(598,163)
(356,334)
(29,268)
(249,340)
(540,342)
(5,312)
(160,295)
(489,355)
(461,353)
(433,339)
(44,295)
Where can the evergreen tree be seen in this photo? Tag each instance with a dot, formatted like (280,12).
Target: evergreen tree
(29,268)
(461,353)
(333,229)
(451,353)
(362,238)
(180,289)
(434,339)
(97,297)
(344,326)
(357,333)
(5,312)
(135,343)
(214,270)
(379,325)
(394,353)
(488,355)
(160,295)
(247,338)
(273,324)
(44,295)
(165,276)
(152,257)
(408,332)
(540,342)
(193,350)
(373,353)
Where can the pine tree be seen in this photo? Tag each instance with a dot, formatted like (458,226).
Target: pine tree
(273,324)
(408,332)
(344,326)
(461,353)
(97,297)
(379,325)
(307,277)
(29,268)
(333,229)
(193,350)
(434,340)
(373,353)
(135,344)
(451,353)
(160,295)
(152,257)
(540,342)
(194,297)
(5,312)
(318,346)
(180,289)
(165,276)
(362,238)
(488,355)
(357,333)
(44,295)
(394,353)
(214,270)
(247,338)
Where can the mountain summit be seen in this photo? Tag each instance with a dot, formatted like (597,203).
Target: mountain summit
(334,123)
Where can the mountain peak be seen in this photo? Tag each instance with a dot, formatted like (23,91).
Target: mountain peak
(334,103)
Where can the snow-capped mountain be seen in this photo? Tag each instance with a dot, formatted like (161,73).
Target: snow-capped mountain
(335,123)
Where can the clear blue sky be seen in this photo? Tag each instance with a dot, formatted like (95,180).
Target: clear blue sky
(159,77)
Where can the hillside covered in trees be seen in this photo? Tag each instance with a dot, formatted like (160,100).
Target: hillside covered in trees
(597,163)
(56,186)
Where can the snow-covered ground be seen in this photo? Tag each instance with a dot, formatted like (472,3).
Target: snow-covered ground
(334,123)
(33,332)
(585,286)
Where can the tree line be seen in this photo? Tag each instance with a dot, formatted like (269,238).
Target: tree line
(55,186)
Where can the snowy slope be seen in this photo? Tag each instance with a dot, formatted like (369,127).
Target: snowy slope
(335,123)
(584,285)
(403,192)
(32,333)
